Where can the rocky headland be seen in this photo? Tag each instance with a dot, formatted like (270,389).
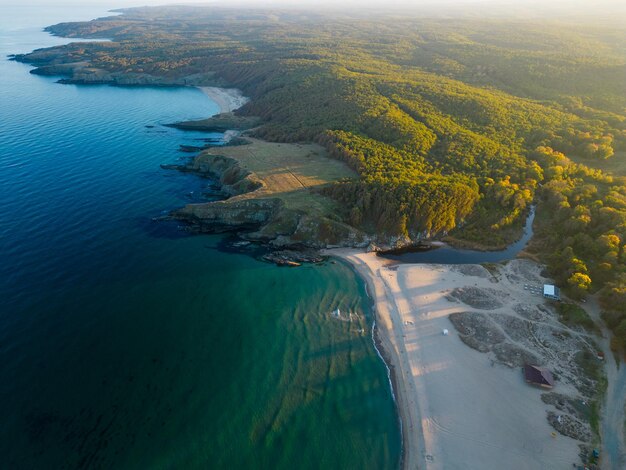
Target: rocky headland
(278,207)
(52,62)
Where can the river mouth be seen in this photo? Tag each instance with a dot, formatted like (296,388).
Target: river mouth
(435,253)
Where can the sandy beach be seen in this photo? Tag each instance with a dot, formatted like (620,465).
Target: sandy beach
(459,408)
(228,99)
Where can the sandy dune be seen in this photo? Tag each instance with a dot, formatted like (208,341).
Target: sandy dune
(459,409)
(228,99)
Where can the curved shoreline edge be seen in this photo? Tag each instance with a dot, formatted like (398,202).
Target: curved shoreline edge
(456,405)
(412,443)
(391,377)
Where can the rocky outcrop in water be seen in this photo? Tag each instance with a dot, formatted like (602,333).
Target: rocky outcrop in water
(268,221)
(219,123)
(229,215)
(293,258)
(260,219)
(233,178)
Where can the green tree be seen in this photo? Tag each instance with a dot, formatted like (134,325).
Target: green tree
(579,285)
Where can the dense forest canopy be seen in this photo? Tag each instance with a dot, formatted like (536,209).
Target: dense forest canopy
(454,125)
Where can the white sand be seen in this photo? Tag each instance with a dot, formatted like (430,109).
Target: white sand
(228,99)
(458,409)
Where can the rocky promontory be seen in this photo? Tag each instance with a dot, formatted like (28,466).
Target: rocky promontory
(275,205)
(50,62)
(228,216)
(219,123)
(233,179)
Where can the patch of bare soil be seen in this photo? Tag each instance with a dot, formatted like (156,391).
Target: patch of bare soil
(523,270)
(479,298)
(531,312)
(512,355)
(475,270)
(477,330)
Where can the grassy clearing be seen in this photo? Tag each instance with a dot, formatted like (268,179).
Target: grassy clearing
(592,367)
(290,172)
(594,417)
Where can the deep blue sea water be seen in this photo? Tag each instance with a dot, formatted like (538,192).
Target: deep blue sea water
(125,343)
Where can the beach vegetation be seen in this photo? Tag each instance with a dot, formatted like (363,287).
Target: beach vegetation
(574,315)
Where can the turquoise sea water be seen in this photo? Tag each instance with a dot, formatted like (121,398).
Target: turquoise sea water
(125,343)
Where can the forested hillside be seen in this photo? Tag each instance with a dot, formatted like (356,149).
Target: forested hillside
(455,126)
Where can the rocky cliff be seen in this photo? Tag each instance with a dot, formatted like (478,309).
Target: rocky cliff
(256,217)
(233,179)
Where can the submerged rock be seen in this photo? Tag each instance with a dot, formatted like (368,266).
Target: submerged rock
(293,258)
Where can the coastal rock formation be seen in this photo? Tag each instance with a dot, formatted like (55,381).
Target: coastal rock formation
(227,216)
(233,179)
(219,123)
(272,199)
(292,258)
(260,219)
(268,221)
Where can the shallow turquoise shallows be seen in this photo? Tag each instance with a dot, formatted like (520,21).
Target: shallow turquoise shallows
(125,343)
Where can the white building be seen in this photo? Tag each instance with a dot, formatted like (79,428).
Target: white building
(551,292)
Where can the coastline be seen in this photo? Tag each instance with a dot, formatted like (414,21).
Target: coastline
(67,440)
(228,99)
(413,444)
(455,406)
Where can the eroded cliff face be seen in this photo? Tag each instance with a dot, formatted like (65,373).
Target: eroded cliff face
(229,215)
(233,178)
(268,221)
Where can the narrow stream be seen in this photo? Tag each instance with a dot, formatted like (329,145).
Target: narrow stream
(449,255)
